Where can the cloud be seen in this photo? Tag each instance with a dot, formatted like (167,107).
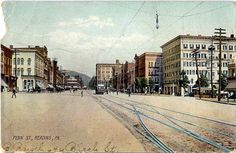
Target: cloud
(83,41)
(94,21)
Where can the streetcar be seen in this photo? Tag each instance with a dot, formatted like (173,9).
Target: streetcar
(100,89)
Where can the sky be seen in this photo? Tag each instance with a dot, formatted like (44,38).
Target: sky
(81,34)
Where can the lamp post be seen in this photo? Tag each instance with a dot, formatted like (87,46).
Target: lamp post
(211,48)
(195,52)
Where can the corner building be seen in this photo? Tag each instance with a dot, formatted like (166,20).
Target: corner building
(177,56)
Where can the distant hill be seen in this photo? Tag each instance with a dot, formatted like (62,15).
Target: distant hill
(84,77)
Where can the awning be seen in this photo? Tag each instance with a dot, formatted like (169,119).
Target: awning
(40,85)
(50,86)
(60,87)
(3,83)
(231,86)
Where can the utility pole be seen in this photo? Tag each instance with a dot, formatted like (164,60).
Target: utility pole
(195,52)
(211,48)
(15,68)
(219,32)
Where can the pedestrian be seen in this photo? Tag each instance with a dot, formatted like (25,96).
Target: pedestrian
(129,91)
(82,93)
(13,92)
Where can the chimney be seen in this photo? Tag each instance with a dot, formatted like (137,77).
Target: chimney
(117,61)
(232,36)
(11,46)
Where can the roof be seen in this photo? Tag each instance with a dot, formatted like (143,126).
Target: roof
(108,64)
(191,37)
(151,53)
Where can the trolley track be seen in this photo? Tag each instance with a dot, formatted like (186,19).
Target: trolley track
(187,114)
(176,126)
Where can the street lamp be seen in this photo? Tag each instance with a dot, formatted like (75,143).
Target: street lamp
(195,52)
(211,48)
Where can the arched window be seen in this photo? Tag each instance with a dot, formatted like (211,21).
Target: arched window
(29,61)
(22,71)
(22,61)
(18,61)
(29,71)
(18,71)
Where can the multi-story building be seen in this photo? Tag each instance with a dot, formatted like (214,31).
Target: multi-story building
(29,66)
(6,68)
(105,72)
(178,56)
(126,79)
(149,65)
(72,82)
(231,87)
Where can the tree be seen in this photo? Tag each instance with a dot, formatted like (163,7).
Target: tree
(203,81)
(183,81)
(143,82)
(138,83)
(224,81)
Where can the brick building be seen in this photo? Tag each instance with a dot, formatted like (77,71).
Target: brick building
(7,79)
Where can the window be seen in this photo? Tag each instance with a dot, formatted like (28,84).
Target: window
(230,56)
(231,47)
(18,72)
(22,71)
(191,46)
(234,47)
(225,47)
(18,61)
(29,61)
(203,46)
(190,55)
(22,61)
(225,56)
(198,55)
(197,46)
(184,55)
(185,46)
(29,71)
(14,61)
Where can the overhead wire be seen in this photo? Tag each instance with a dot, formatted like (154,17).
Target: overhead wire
(124,28)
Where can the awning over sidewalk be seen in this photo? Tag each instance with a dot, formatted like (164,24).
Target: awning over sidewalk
(50,86)
(3,83)
(40,85)
(231,86)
